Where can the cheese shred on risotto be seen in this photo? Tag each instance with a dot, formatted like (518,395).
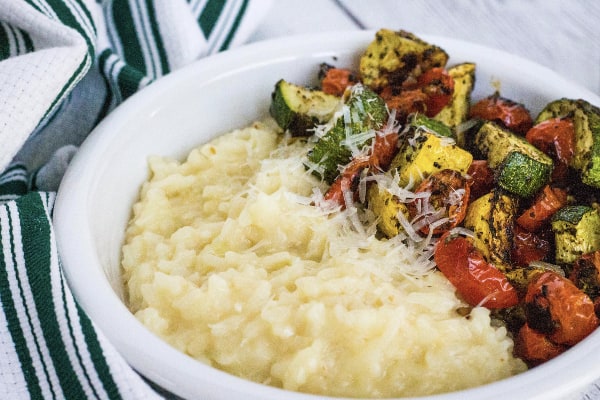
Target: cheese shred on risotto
(232,258)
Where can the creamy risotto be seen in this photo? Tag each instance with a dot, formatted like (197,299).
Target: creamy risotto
(229,260)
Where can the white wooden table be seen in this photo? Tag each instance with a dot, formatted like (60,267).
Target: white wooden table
(563,35)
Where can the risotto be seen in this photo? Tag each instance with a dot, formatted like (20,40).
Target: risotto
(228,259)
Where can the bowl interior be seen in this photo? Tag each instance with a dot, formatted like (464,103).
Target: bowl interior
(193,105)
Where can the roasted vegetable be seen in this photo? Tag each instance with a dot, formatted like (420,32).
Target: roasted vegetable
(334,80)
(457,111)
(586,276)
(576,232)
(521,168)
(345,186)
(386,206)
(299,109)
(431,125)
(424,152)
(504,112)
(491,217)
(396,55)
(548,201)
(586,119)
(477,281)
(529,247)
(521,277)
(555,137)
(557,308)
(481,178)
(446,202)
(362,115)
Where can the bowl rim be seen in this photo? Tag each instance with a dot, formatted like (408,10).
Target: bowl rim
(70,218)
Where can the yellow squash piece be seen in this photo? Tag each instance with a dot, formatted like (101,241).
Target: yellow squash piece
(492,218)
(387,207)
(576,232)
(395,55)
(427,153)
(457,111)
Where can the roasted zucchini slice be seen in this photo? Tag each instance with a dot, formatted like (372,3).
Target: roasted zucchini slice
(576,232)
(395,55)
(492,218)
(300,109)
(430,124)
(521,168)
(424,152)
(362,113)
(456,112)
(586,120)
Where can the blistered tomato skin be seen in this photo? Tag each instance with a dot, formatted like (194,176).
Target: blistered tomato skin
(570,311)
(513,116)
(477,281)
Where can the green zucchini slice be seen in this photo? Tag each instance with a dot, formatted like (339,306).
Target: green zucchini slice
(576,232)
(300,109)
(362,114)
(521,168)
(586,120)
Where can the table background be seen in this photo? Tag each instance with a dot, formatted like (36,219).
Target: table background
(563,35)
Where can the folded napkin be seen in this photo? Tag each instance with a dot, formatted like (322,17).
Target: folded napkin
(64,65)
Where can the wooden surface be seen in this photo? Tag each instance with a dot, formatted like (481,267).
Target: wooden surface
(563,35)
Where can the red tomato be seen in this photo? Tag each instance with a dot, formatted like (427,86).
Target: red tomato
(555,137)
(347,181)
(549,201)
(528,247)
(405,102)
(448,190)
(383,151)
(534,347)
(481,178)
(427,94)
(438,85)
(477,281)
(571,311)
(513,116)
(336,80)
(586,276)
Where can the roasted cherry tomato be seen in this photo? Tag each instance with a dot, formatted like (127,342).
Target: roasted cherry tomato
(513,116)
(347,181)
(427,94)
(528,247)
(548,201)
(382,152)
(534,347)
(555,137)
(477,281)
(404,102)
(438,85)
(586,276)
(385,147)
(481,178)
(557,308)
(449,190)
(336,80)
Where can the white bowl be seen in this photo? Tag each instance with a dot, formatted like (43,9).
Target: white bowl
(212,96)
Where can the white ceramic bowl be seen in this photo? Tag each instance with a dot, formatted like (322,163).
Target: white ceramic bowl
(215,95)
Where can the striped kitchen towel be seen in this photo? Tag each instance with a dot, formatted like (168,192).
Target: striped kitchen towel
(64,65)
